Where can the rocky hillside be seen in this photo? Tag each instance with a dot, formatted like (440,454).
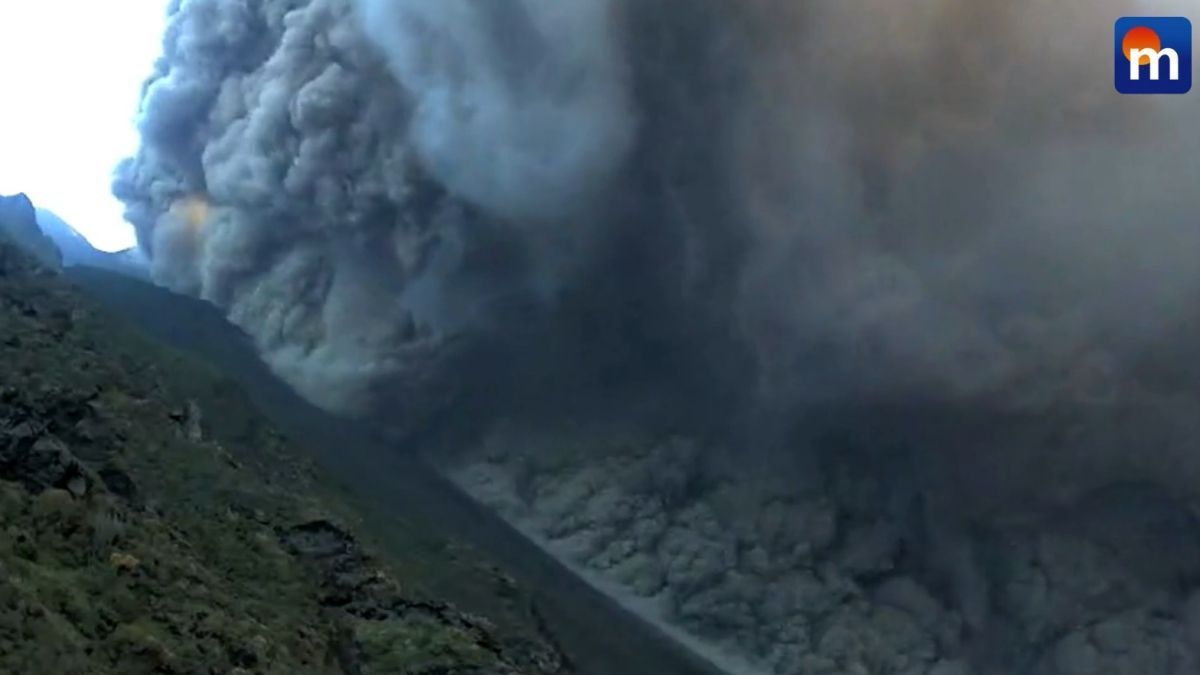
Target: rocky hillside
(441,541)
(142,534)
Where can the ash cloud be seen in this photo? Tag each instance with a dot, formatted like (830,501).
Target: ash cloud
(968,194)
(376,179)
(956,223)
(521,107)
(747,208)
(764,224)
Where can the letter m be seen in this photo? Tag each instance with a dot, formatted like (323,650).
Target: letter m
(1135,58)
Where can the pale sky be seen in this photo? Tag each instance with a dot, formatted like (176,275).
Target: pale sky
(70,72)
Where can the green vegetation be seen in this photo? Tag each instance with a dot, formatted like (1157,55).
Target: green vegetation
(419,643)
(152,522)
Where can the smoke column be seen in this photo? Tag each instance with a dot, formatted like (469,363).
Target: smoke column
(764,224)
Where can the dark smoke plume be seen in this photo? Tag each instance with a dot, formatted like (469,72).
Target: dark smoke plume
(764,223)
(941,207)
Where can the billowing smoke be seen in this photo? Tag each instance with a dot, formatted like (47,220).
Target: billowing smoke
(364,204)
(766,224)
(507,113)
(956,221)
(977,213)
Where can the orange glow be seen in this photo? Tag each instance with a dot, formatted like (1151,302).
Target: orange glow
(192,210)
(1140,38)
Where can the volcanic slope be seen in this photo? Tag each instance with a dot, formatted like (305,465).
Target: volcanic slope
(152,522)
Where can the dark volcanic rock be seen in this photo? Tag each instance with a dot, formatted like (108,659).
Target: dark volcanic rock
(18,219)
(352,585)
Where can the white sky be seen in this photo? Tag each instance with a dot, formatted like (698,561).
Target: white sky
(70,74)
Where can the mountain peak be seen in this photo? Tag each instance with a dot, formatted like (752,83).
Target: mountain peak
(18,218)
(56,244)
